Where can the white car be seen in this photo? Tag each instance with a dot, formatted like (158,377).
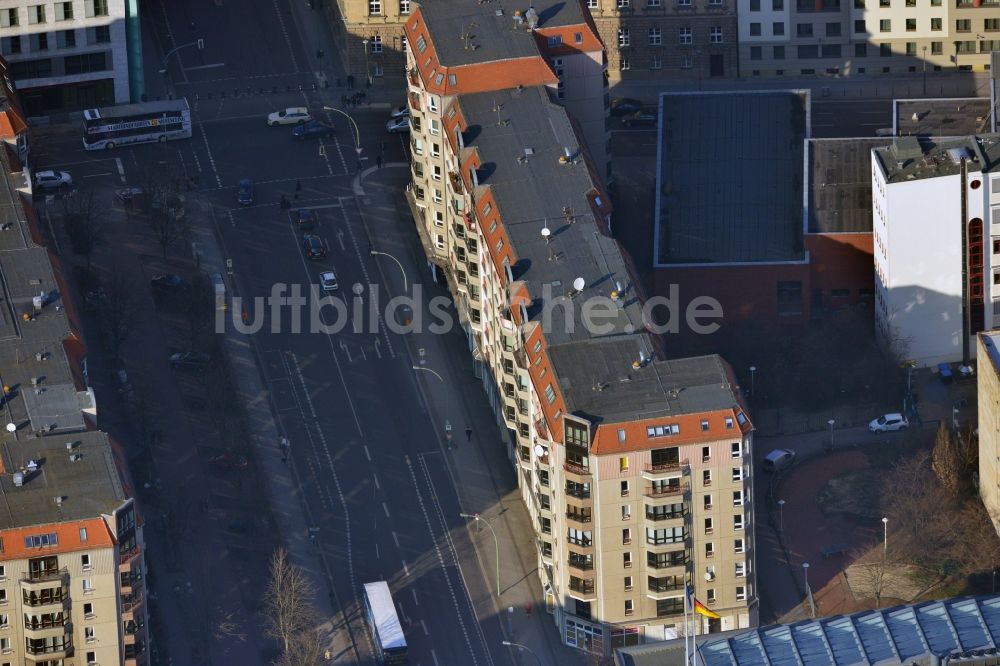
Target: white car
(889,423)
(294,115)
(52,180)
(397,125)
(328,281)
(400,112)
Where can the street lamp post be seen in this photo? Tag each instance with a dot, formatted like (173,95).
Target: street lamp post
(375,253)
(809,596)
(354,125)
(368,76)
(781,516)
(447,401)
(925,71)
(478,518)
(200,43)
(885,538)
(525,648)
(830,423)
(753,369)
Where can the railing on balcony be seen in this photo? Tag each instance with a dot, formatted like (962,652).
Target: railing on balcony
(579,470)
(131,601)
(664,491)
(35,625)
(578,517)
(582,565)
(42,575)
(579,494)
(673,515)
(128,555)
(661,467)
(659,585)
(583,586)
(30,599)
(657,563)
(583,543)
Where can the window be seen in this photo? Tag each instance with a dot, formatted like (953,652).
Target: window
(709,525)
(911,25)
(624,64)
(5,645)
(833,30)
(88,634)
(755,5)
(709,549)
(85,561)
(374,7)
(737,498)
(39,41)
(3,572)
(656,61)
(3,596)
(779,52)
(435,150)
(706,453)
(404,6)
(66,39)
(623,37)
(36,14)
(715,34)
(499,245)
(738,546)
(628,583)
(626,536)
(737,474)
(755,29)
(8,18)
(624,488)
(911,49)
(652,3)
(592,4)
(885,25)
(991,25)
(884,50)
(684,35)
(741,569)
(623,464)
(622,4)
(88,585)
(88,610)
(627,560)
(654,37)
(778,5)
(707,501)
(936,24)
(741,593)
(554,41)
(10,45)
(99,35)
(626,512)
(710,595)
(803,29)
(778,28)
(376,43)
(735,450)
(963,25)
(550,394)
(738,521)
(628,606)
(729,423)
(706,477)
(91,657)
(859,26)
(64,11)
(95,8)
(421,44)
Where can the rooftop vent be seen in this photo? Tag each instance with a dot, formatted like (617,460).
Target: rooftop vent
(956,155)
(32,466)
(75,457)
(18,479)
(532,17)
(906,148)
(58,500)
(69,446)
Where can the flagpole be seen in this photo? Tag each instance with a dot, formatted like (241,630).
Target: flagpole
(688,595)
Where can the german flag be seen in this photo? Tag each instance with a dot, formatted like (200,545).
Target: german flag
(698,607)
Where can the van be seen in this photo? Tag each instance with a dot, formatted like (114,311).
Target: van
(777,460)
(219,289)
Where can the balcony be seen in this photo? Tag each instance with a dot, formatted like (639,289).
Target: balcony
(671,492)
(577,517)
(576,470)
(661,546)
(663,588)
(583,590)
(665,518)
(672,566)
(50,652)
(580,564)
(580,543)
(39,599)
(414,102)
(664,469)
(132,601)
(43,578)
(125,557)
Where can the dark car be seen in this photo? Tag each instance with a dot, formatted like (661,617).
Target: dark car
(229,462)
(245,195)
(313,128)
(169,282)
(306,219)
(314,246)
(190,360)
(624,105)
(644,118)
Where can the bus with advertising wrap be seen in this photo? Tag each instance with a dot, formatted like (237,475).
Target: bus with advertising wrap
(147,122)
(387,633)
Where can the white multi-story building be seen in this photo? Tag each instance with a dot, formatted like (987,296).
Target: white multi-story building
(72,54)
(931,229)
(850,37)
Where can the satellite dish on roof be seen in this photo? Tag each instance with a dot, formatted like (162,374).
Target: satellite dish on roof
(11,427)
(579,284)
(539,450)
(546,232)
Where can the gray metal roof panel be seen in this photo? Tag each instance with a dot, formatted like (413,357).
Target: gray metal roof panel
(904,628)
(811,643)
(969,624)
(840,185)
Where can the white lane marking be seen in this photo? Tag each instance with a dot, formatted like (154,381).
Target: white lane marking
(340,239)
(386,509)
(121,169)
(288,41)
(226,79)
(378,486)
(170,38)
(414,592)
(434,657)
(364,271)
(441,561)
(395,537)
(367,454)
(406,569)
(97,175)
(208,151)
(211,66)
(232,220)
(424,626)
(377,553)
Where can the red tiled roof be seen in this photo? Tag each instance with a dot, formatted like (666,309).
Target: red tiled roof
(68,537)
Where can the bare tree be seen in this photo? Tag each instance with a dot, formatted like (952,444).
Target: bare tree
(168,224)
(84,223)
(288,602)
(306,649)
(871,574)
(120,304)
(176,520)
(228,628)
(198,307)
(948,464)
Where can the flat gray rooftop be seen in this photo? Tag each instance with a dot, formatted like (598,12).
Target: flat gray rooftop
(520,136)
(913,158)
(89,486)
(942,117)
(467,32)
(840,184)
(730,177)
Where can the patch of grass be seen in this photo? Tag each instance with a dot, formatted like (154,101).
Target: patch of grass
(883,455)
(854,493)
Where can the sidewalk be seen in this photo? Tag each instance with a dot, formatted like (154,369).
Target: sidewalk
(289,512)
(485,477)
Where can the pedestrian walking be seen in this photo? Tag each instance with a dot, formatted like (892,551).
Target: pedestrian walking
(298,186)
(350,82)
(378,161)
(468,433)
